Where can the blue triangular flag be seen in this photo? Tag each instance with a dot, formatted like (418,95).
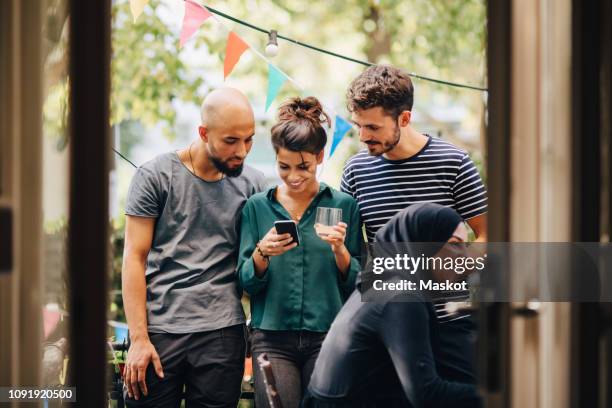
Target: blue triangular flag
(276,79)
(341,126)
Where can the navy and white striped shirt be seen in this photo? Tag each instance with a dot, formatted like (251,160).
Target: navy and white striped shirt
(439,173)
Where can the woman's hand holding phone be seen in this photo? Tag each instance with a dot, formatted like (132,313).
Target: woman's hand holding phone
(273,244)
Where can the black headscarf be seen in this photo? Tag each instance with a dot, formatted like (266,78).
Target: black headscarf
(414,228)
(424,222)
(412,231)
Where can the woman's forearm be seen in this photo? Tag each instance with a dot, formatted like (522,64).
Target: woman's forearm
(260,263)
(343,261)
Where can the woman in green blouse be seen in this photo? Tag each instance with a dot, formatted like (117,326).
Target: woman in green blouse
(296,290)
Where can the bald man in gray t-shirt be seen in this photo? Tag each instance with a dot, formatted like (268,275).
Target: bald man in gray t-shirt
(179,289)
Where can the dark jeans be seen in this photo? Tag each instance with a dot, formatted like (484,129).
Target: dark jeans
(292,355)
(207,366)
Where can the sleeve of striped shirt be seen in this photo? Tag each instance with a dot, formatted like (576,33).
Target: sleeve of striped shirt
(346,182)
(469,191)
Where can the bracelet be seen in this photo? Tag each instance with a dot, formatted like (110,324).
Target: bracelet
(260,252)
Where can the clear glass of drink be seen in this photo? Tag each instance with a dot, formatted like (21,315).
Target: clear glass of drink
(326,219)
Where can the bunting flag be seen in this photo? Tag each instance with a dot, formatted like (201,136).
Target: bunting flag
(341,126)
(234,49)
(276,79)
(137,7)
(195,15)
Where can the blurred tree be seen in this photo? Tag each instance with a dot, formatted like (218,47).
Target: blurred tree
(148,72)
(439,38)
(147,68)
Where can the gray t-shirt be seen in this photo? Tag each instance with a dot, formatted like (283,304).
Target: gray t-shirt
(190,273)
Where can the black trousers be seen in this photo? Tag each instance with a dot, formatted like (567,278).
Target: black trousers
(205,367)
(456,343)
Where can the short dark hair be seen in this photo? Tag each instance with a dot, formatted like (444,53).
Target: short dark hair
(384,86)
(300,126)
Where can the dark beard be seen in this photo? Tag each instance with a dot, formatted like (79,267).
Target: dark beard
(389,147)
(223,168)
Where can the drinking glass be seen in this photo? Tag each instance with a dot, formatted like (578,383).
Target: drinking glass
(326,219)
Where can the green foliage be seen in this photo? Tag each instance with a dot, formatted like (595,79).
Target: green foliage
(436,38)
(454,32)
(439,38)
(147,70)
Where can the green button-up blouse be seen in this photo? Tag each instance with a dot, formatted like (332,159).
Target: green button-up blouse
(302,288)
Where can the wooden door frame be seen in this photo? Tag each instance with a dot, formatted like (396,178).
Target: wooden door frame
(590,133)
(21,116)
(90,45)
(493,323)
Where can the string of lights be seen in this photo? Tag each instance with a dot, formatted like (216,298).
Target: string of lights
(273,35)
(335,54)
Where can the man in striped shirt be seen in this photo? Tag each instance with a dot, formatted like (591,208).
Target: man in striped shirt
(402,167)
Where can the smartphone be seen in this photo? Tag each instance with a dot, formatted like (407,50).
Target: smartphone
(288,227)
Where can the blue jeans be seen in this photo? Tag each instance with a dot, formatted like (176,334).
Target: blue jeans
(292,355)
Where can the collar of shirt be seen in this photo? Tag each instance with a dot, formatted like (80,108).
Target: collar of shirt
(324,189)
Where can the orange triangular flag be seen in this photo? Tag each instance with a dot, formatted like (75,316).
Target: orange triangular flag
(233,51)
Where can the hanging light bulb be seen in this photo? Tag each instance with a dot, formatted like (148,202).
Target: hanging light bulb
(272,47)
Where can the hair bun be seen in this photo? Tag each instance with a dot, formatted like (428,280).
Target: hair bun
(308,108)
